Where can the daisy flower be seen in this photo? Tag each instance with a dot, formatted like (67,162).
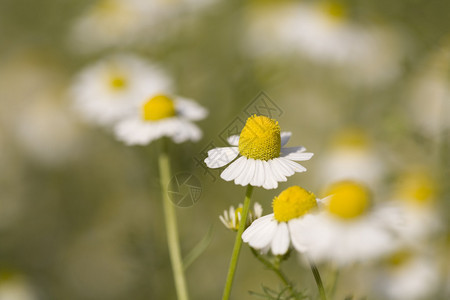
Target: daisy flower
(277,231)
(351,157)
(263,161)
(350,229)
(414,198)
(408,275)
(110,89)
(159,116)
(232,216)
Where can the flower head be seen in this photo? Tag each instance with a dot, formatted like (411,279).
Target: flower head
(232,216)
(161,115)
(111,89)
(264,160)
(292,210)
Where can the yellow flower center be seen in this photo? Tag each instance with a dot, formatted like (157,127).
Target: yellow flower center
(348,199)
(334,10)
(118,82)
(157,108)
(399,258)
(292,203)
(260,138)
(416,188)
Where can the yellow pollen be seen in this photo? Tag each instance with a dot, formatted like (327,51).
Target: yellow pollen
(416,188)
(260,138)
(348,199)
(118,82)
(157,108)
(292,203)
(334,10)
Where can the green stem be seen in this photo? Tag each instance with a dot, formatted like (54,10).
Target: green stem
(333,286)
(237,244)
(171,226)
(318,280)
(274,268)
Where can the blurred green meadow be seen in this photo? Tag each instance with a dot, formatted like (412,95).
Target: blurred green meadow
(80,212)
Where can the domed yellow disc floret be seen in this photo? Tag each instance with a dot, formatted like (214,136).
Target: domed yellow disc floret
(260,138)
(417,188)
(348,199)
(334,10)
(292,203)
(157,108)
(118,82)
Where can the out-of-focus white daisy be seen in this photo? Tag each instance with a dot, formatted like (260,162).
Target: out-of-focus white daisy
(277,231)
(429,96)
(350,229)
(324,33)
(415,200)
(112,88)
(14,287)
(159,116)
(232,216)
(114,23)
(407,275)
(351,157)
(264,160)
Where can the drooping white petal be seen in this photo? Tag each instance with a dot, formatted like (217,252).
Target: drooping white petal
(135,132)
(258,178)
(233,140)
(283,167)
(185,131)
(234,169)
(280,241)
(296,167)
(300,232)
(190,109)
(260,233)
(220,157)
(247,174)
(269,180)
(285,137)
(296,153)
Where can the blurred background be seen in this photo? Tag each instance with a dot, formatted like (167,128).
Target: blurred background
(365,85)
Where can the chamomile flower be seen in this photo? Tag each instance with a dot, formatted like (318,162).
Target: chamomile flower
(414,198)
(110,89)
(350,228)
(277,231)
(232,216)
(351,157)
(408,275)
(263,161)
(161,115)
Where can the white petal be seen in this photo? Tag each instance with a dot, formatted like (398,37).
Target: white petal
(233,140)
(285,137)
(260,233)
(234,170)
(277,173)
(247,173)
(133,131)
(219,157)
(183,131)
(300,229)
(282,167)
(280,241)
(269,180)
(258,177)
(296,153)
(296,167)
(189,109)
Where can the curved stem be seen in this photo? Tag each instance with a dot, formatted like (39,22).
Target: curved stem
(274,268)
(171,226)
(237,244)
(318,279)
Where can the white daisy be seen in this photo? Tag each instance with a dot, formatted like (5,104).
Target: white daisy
(350,230)
(408,275)
(351,157)
(414,199)
(161,116)
(264,160)
(110,89)
(232,216)
(282,228)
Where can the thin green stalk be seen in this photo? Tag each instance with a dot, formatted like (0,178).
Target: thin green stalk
(237,244)
(274,268)
(171,226)
(334,281)
(319,283)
